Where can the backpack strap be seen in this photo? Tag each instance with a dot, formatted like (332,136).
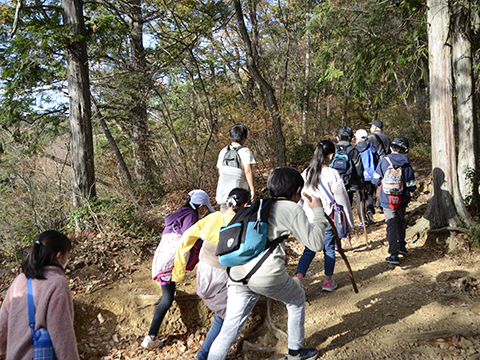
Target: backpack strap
(271,246)
(390,162)
(31,306)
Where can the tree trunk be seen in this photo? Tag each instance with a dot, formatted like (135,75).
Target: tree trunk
(265,87)
(140,135)
(83,171)
(306,93)
(113,144)
(446,195)
(466,115)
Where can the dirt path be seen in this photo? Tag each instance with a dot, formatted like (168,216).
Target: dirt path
(429,308)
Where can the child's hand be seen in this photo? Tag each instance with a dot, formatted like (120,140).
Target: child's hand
(312,201)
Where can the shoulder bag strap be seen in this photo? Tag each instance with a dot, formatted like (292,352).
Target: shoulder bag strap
(31,306)
(328,194)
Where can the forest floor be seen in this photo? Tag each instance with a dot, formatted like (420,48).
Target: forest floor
(428,307)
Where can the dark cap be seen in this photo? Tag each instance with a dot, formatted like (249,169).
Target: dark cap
(345,131)
(402,142)
(377,123)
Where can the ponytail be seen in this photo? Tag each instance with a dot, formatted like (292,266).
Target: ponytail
(43,252)
(323,149)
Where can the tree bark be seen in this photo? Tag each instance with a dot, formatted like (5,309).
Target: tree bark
(306,92)
(446,191)
(140,135)
(465,99)
(113,144)
(265,87)
(83,171)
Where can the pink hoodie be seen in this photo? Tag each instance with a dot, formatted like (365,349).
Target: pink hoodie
(53,310)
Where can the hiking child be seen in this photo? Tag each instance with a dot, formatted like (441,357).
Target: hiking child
(196,207)
(370,159)
(396,179)
(45,265)
(319,171)
(271,279)
(235,166)
(353,179)
(379,139)
(211,275)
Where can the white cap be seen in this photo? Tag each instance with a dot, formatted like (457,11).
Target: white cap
(200,197)
(361,134)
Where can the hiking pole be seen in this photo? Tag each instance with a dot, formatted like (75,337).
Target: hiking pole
(342,254)
(362,214)
(339,248)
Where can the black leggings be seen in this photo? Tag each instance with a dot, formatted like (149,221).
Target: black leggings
(168,293)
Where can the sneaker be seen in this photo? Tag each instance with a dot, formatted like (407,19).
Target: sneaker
(299,280)
(393,260)
(403,251)
(370,218)
(329,285)
(305,354)
(150,342)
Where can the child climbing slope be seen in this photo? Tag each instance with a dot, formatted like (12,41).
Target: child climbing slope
(196,206)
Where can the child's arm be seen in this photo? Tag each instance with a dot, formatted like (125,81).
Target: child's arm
(410,182)
(378,175)
(189,238)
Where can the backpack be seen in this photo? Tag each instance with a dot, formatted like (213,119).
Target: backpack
(245,238)
(392,183)
(232,158)
(368,162)
(343,164)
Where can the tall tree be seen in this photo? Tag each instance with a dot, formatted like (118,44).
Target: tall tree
(444,163)
(83,174)
(139,118)
(465,95)
(265,87)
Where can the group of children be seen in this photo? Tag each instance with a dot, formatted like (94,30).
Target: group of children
(196,226)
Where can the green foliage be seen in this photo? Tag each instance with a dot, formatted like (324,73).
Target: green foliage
(300,156)
(115,217)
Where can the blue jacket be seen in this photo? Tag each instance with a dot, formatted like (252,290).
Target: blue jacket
(408,177)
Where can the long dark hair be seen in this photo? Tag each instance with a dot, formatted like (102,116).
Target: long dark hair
(238,197)
(43,252)
(323,149)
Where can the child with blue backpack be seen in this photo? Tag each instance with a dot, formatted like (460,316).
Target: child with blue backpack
(396,179)
(370,159)
(271,279)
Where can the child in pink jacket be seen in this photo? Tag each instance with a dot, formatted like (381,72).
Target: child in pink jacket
(45,264)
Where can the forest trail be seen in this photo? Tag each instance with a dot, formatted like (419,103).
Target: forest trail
(428,307)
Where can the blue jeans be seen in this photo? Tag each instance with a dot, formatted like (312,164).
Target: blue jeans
(328,251)
(168,293)
(211,336)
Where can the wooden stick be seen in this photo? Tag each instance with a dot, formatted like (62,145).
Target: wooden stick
(362,214)
(339,248)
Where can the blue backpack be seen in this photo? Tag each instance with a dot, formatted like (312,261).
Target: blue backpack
(342,163)
(368,161)
(245,238)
